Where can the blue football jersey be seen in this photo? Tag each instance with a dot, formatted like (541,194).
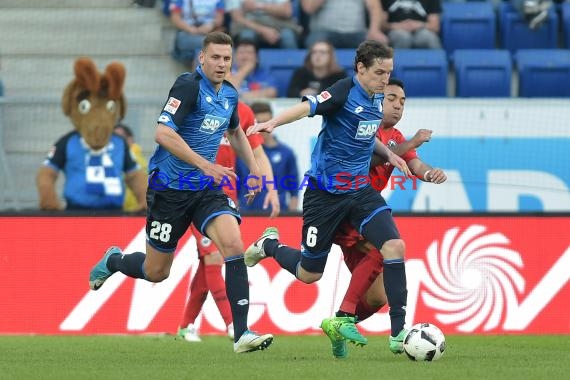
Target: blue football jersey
(93,178)
(201,116)
(345,143)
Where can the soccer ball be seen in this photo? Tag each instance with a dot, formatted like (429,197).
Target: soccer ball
(424,342)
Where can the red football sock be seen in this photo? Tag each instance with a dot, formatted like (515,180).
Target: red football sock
(198,294)
(362,277)
(217,287)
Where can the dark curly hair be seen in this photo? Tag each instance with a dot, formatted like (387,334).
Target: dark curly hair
(370,50)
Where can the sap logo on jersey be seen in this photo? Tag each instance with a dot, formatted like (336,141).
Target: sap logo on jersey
(367,129)
(211,123)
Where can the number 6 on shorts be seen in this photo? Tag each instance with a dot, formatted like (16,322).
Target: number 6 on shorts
(311,239)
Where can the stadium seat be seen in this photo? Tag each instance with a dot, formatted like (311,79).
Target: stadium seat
(482,73)
(565,17)
(345,58)
(424,71)
(515,33)
(543,73)
(468,26)
(282,63)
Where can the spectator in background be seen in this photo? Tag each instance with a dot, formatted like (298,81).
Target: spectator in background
(343,22)
(534,12)
(130,203)
(284,165)
(319,71)
(193,19)
(413,23)
(268,22)
(250,78)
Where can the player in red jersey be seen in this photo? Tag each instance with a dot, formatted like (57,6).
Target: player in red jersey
(365,294)
(208,277)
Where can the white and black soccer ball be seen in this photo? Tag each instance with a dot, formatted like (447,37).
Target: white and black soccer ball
(424,342)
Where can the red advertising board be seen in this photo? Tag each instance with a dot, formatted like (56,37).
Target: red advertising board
(476,274)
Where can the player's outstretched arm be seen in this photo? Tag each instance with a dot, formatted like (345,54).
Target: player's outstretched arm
(289,115)
(241,146)
(272,197)
(425,172)
(376,160)
(385,153)
(421,136)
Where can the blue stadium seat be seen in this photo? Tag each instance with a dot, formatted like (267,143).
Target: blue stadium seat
(515,33)
(565,17)
(543,73)
(424,71)
(282,63)
(345,59)
(482,73)
(468,26)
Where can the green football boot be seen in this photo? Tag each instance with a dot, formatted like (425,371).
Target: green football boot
(346,327)
(338,343)
(396,343)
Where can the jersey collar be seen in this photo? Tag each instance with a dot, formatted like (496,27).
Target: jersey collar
(207,84)
(361,89)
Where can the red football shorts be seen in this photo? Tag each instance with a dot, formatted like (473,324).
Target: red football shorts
(205,245)
(347,238)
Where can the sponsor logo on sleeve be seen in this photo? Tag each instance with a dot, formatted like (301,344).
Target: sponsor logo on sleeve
(323,96)
(172,105)
(163,119)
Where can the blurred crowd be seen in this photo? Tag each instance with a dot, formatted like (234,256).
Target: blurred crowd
(296,24)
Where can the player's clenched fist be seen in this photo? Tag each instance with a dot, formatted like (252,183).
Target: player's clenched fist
(436,176)
(422,136)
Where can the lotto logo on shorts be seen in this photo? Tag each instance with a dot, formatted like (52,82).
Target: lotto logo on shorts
(172,105)
(211,123)
(367,129)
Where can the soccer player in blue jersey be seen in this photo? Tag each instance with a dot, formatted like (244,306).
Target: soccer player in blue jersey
(338,188)
(185,185)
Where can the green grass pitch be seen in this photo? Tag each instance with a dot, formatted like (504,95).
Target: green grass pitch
(290,357)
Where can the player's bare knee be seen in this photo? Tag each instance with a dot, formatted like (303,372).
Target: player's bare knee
(309,277)
(156,274)
(394,249)
(230,247)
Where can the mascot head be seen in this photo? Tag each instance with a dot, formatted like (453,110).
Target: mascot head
(94,101)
